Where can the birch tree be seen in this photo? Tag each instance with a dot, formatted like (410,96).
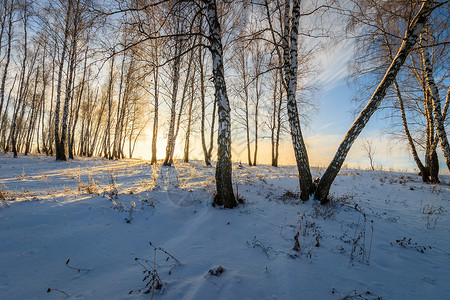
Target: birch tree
(410,39)
(224,187)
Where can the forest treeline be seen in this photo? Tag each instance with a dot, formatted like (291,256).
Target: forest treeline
(87,77)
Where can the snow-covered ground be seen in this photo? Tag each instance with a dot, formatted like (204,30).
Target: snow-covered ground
(74,230)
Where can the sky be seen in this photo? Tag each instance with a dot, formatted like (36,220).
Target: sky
(329,124)
(323,136)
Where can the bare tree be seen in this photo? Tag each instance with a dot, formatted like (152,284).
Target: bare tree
(369,149)
(411,37)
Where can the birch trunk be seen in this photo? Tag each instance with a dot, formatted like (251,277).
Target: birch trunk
(155,114)
(188,130)
(423,171)
(107,150)
(224,187)
(290,73)
(183,98)
(60,155)
(274,120)
(175,81)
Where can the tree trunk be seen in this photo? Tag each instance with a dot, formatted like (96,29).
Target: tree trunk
(423,171)
(8,59)
(156,106)
(107,150)
(175,81)
(60,153)
(188,130)
(224,187)
(203,106)
(183,98)
(411,37)
(290,69)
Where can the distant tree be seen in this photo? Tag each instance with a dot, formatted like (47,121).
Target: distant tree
(369,149)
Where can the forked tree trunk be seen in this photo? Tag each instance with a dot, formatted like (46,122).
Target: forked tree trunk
(173,110)
(423,171)
(183,99)
(436,101)
(411,37)
(224,187)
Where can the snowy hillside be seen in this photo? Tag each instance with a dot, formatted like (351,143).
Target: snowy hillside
(73,230)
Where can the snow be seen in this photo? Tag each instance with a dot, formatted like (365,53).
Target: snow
(53,213)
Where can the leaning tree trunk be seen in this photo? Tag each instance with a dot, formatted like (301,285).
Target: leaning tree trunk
(290,73)
(411,37)
(434,91)
(224,187)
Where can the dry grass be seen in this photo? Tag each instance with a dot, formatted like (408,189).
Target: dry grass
(90,188)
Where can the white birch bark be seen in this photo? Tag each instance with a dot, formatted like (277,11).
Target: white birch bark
(224,188)
(290,73)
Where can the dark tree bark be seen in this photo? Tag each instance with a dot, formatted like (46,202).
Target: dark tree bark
(60,152)
(8,58)
(173,111)
(156,107)
(206,155)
